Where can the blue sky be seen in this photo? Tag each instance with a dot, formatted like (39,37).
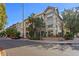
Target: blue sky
(15,10)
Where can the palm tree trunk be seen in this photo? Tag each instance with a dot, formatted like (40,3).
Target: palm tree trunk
(34,34)
(40,35)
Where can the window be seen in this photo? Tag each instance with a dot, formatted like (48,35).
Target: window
(49,20)
(50,15)
(49,26)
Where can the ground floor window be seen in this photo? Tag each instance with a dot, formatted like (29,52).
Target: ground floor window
(50,33)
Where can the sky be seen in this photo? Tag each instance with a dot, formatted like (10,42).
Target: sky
(15,11)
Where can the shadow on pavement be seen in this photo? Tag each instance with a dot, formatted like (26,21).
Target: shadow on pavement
(8,44)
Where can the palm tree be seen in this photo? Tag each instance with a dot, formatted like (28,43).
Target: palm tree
(37,24)
(3,16)
(31,26)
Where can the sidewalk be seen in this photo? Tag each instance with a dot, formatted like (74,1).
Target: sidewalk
(75,40)
(54,38)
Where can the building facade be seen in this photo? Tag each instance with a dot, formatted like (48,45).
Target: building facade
(21,27)
(53,21)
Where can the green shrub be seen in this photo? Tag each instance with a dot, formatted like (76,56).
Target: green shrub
(2,34)
(12,33)
(32,37)
(17,35)
(69,36)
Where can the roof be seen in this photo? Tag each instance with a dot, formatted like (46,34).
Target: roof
(49,7)
(61,16)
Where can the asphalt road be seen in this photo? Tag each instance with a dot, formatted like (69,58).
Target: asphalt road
(21,47)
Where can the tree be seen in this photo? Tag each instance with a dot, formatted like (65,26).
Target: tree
(3,16)
(31,27)
(37,24)
(12,33)
(3,34)
(71,20)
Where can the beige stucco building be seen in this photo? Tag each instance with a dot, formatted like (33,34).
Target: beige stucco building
(52,19)
(21,27)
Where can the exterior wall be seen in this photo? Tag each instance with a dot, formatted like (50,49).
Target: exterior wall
(52,21)
(25,29)
(21,27)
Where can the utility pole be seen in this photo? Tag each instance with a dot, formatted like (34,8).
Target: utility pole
(23,17)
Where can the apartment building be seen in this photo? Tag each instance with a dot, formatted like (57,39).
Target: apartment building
(53,21)
(21,27)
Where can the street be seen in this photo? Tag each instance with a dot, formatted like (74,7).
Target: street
(21,47)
